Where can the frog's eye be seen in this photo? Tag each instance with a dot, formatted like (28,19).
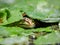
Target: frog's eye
(26,19)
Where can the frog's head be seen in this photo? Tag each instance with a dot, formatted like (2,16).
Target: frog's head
(27,23)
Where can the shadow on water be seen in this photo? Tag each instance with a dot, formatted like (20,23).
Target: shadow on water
(40,24)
